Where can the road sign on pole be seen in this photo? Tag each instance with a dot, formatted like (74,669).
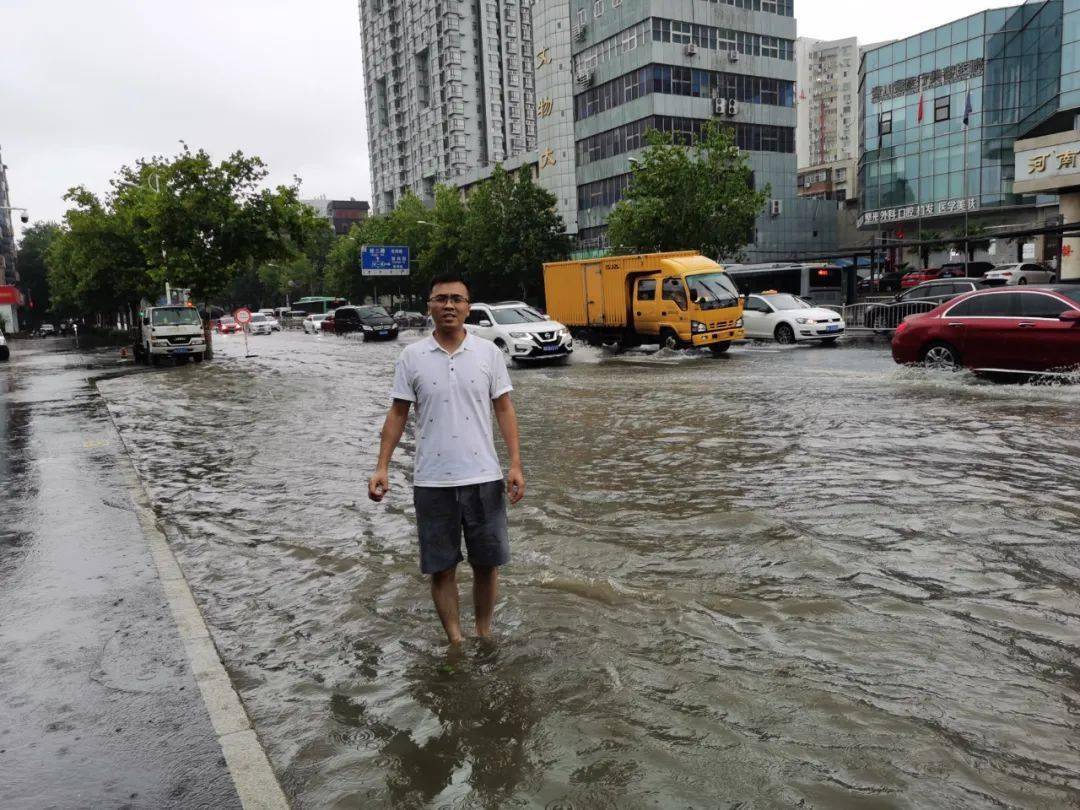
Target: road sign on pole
(243,317)
(384,260)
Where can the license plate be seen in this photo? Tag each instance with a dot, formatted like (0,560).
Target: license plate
(832,328)
(181,350)
(551,348)
(383,332)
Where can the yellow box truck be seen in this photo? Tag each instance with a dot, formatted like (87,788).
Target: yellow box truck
(678,299)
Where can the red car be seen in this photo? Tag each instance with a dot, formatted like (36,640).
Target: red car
(917,277)
(227,325)
(1035,329)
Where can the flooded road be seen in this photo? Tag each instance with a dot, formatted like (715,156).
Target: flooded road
(794,577)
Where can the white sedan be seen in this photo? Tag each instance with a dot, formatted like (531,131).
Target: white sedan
(313,323)
(787,318)
(1025,273)
(259,324)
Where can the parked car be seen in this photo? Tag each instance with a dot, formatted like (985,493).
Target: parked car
(373,321)
(520,331)
(1034,329)
(965,269)
(5,352)
(923,298)
(1021,273)
(787,318)
(916,277)
(405,318)
(47,330)
(312,323)
(226,325)
(259,324)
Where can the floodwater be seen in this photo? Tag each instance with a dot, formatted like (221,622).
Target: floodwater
(785,577)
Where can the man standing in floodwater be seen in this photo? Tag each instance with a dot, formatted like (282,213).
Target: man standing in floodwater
(453,378)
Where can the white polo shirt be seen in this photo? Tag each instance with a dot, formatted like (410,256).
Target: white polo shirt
(453,394)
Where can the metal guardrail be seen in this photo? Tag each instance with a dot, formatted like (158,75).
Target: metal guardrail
(880,316)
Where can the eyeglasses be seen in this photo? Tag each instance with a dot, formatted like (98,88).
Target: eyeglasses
(448,299)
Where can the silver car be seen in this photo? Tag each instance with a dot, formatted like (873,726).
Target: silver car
(1020,273)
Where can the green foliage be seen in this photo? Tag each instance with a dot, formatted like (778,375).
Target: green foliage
(498,238)
(698,198)
(30,262)
(185,220)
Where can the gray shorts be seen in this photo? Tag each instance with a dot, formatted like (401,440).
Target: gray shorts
(443,514)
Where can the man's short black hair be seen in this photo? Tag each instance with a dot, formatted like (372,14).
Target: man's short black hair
(448,278)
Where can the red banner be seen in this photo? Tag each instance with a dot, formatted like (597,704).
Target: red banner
(10,295)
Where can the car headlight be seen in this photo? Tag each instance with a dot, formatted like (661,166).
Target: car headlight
(803,320)
(161,343)
(365,327)
(739,324)
(564,332)
(519,334)
(197,340)
(697,327)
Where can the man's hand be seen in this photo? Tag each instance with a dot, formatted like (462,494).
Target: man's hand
(378,485)
(515,484)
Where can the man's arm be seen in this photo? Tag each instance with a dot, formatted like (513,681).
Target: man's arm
(393,427)
(508,426)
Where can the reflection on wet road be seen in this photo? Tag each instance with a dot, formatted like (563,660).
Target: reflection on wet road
(783,576)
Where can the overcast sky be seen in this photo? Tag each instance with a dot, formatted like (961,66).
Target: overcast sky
(89,85)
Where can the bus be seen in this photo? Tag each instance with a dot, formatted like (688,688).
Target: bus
(818,282)
(318,304)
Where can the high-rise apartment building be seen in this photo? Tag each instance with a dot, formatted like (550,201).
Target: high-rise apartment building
(449,89)
(828,104)
(570,87)
(8,275)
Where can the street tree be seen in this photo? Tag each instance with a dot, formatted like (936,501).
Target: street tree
(697,197)
(30,261)
(186,220)
(511,228)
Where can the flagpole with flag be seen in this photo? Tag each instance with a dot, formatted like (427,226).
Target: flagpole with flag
(967,119)
(918,121)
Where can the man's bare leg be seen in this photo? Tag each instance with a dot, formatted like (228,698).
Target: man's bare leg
(485,591)
(445,594)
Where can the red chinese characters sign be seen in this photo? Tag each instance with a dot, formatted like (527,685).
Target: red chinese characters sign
(10,295)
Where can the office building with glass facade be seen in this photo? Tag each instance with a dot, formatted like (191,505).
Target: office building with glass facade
(941,110)
(673,66)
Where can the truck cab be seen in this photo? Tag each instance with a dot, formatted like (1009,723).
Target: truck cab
(169,331)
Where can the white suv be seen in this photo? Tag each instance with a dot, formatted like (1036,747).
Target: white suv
(520,331)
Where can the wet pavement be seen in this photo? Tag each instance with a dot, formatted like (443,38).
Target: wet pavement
(786,577)
(98,707)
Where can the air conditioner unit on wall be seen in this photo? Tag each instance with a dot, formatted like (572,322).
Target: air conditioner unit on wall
(579,32)
(690,49)
(774,208)
(584,78)
(733,55)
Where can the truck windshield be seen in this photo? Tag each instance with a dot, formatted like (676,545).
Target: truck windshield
(178,316)
(713,290)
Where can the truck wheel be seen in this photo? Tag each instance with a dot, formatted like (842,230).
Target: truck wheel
(668,339)
(197,357)
(720,348)
(155,360)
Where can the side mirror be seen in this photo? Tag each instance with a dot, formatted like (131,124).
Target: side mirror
(1070,316)
(484,322)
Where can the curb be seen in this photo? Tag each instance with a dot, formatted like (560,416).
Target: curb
(250,769)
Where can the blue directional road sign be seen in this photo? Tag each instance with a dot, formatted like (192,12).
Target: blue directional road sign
(384,260)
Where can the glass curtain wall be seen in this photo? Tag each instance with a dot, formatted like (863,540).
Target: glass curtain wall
(1004,60)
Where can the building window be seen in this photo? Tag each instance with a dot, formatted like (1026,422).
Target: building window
(581,16)
(598,8)
(885,123)
(941,109)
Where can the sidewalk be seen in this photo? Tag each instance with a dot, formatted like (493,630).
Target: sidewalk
(99,705)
